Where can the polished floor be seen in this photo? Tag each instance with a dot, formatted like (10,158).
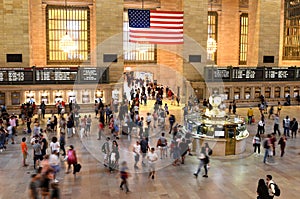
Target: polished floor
(233,177)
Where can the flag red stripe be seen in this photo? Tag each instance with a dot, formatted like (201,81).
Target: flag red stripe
(158,42)
(166,12)
(155,37)
(165,22)
(155,32)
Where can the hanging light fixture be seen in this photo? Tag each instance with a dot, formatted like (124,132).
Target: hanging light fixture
(66,43)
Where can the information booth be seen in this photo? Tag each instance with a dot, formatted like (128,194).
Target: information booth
(225,134)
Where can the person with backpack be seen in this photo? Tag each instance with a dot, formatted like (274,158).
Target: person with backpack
(273,188)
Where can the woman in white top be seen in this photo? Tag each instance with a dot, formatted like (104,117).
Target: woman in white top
(136,151)
(54,145)
(152,158)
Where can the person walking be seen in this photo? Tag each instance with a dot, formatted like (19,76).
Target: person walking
(256,143)
(144,148)
(152,158)
(282,143)
(276,124)
(184,147)
(261,126)
(37,153)
(279,107)
(136,151)
(162,144)
(172,122)
(100,130)
(271,186)
(24,151)
(294,127)
(106,151)
(124,176)
(267,145)
(262,190)
(204,160)
(286,126)
(250,115)
(72,159)
(271,112)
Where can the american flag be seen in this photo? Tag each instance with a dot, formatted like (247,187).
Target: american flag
(155,27)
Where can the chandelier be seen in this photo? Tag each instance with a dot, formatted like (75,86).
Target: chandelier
(66,43)
(211,46)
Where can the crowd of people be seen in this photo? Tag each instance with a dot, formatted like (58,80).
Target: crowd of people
(124,118)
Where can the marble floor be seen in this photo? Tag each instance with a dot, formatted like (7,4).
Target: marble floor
(233,177)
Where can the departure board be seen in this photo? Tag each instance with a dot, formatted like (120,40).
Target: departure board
(56,75)
(16,75)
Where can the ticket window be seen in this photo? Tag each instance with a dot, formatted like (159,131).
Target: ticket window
(286,91)
(277,92)
(99,96)
(267,92)
(72,96)
(226,94)
(86,97)
(237,93)
(45,97)
(247,93)
(2,98)
(257,92)
(15,98)
(58,97)
(296,91)
(30,97)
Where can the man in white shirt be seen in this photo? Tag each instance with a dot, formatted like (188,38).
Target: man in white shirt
(136,151)
(152,158)
(271,186)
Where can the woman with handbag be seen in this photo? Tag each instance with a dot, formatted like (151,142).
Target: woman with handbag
(72,159)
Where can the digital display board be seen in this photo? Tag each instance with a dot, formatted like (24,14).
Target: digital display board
(89,74)
(247,74)
(56,75)
(279,74)
(16,75)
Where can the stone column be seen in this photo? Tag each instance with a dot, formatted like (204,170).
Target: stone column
(272,94)
(252,93)
(282,92)
(229,28)
(8,100)
(242,93)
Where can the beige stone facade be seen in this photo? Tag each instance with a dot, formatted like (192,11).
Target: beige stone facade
(25,33)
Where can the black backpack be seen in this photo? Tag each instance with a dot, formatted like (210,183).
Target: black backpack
(276,188)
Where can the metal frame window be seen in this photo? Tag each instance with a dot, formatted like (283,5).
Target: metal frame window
(291,40)
(212,28)
(76,22)
(136,52)
(243,39)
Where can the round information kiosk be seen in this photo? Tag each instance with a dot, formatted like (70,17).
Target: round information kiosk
(225,134)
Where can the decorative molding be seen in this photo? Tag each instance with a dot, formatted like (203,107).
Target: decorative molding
(244,3)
